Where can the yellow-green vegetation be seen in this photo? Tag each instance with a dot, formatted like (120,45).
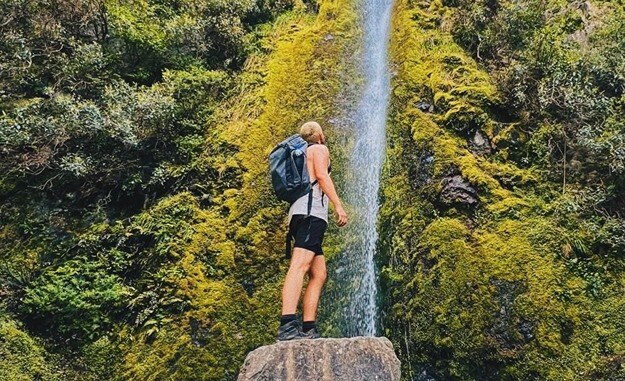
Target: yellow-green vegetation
(227,272)
(432,67)
(164,256)
(503,289)
(302,82)
(23,358)
(140,240)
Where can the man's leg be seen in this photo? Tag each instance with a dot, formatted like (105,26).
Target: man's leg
(300,264)
(315,284)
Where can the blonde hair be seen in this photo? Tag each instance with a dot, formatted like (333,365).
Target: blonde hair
(310,131)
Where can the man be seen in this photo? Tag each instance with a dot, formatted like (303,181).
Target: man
(308,231)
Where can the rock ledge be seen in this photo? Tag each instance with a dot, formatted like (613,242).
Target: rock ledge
(349,359)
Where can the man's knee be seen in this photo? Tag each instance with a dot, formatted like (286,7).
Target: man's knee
(318,275)
(301,260)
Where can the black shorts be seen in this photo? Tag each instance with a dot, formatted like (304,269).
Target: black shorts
(308,232)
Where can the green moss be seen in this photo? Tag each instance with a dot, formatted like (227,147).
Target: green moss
(22,358)
(301,82)
(494,290)
(224,264)
(431,67)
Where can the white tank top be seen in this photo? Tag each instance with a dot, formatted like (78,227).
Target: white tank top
(319,204)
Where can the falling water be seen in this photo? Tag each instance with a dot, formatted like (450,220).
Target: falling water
(356,278)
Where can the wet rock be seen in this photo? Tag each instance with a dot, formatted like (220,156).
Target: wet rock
(526,329)
(349,359)
(457,191)
(425,106)
(249,287)
(479,144)
(421,169)
(510,330)
(566,331)
(199,333)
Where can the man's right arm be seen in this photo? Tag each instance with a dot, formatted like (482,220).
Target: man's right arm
(321,159)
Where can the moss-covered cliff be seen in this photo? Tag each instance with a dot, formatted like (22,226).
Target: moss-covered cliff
(494,264)
(139,238)
(163,260)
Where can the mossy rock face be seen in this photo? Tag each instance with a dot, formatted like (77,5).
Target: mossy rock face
(187,282)
(226,263)
(22,358)
(140,239)
(487,291)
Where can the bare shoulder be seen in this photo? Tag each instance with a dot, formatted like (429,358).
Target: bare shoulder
(319,150)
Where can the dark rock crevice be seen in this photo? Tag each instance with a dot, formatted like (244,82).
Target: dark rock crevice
(457,192)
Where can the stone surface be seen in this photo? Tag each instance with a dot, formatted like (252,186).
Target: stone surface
(457,191)
(420,170)
(349,359)
(479,144)
(425,106)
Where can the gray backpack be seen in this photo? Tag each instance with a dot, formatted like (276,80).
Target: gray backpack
(289,172)
(289,175)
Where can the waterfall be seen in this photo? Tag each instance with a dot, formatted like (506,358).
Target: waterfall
(355,275)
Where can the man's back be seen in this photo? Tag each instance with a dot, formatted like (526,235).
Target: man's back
(317,155)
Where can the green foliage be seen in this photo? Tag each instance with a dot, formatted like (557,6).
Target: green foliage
(562,80)
(51,44)
(149,37)
(117,241)
(124,149)
(139,238)
(76,300)
(526,284)
(22,358)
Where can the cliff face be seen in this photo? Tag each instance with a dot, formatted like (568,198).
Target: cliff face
(139,238)
(350,359)
(497,260)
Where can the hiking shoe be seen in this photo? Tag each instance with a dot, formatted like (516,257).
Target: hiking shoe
(290,331)
(312,334)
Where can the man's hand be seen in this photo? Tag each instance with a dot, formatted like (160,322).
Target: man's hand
(341,216)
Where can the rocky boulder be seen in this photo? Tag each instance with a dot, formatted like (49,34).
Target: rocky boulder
(479,144)
(457,191)
(425,107)
(349,359)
